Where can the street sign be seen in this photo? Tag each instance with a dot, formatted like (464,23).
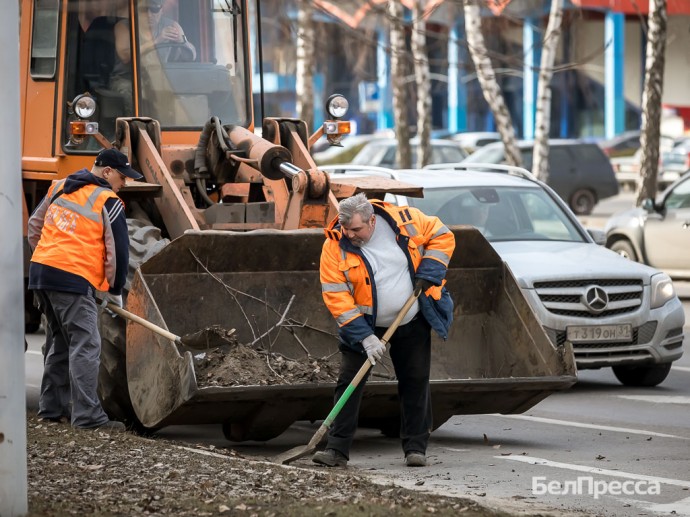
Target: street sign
(369,97)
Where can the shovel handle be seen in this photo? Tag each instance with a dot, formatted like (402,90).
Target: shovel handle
(367,364)
(141,321)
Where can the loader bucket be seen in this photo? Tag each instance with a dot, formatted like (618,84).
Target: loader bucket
(497,358)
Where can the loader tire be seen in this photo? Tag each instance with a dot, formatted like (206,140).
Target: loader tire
(144,242)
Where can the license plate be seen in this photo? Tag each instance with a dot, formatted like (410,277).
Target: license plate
(594,333)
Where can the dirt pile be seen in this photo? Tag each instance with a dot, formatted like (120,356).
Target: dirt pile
(87,472)
(242,365)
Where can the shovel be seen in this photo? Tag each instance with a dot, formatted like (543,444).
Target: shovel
(210,337)
(303,450)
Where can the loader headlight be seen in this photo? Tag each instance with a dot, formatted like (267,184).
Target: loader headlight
(84,105)
(337,106)
(662,290)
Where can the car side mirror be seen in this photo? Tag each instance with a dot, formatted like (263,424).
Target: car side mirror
(648,205)
(598,236)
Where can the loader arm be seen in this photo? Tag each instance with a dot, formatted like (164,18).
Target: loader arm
(260,184)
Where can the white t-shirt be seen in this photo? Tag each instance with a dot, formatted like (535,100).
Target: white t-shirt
(391,275)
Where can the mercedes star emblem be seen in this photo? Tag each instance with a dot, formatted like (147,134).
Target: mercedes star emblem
(596,299)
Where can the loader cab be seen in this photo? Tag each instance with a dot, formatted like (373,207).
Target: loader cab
(177,61)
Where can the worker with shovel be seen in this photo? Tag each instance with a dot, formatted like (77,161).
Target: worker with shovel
(80,244)
(374,257)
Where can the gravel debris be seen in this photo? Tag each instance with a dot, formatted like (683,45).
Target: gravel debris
(79,472)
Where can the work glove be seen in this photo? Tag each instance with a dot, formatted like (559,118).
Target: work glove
(424,284)
(115,299)
(374,348)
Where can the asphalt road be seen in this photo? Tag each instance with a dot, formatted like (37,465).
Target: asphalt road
(599,448)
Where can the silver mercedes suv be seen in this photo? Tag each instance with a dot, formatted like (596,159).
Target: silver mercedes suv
(615,312)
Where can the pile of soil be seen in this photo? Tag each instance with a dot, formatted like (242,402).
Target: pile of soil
(91,472)
(242,365)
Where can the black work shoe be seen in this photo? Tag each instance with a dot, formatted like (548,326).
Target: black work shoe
(415,459)
(330,458)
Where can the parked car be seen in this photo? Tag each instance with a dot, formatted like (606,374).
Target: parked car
(658,232)
(473,140)
(578,171)
(675,161)
(324,153)
(383,153)
(624,144)
(627,168)
(615,313)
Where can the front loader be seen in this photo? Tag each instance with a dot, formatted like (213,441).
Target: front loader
(227,227)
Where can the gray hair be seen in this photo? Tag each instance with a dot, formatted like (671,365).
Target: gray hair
(357,204)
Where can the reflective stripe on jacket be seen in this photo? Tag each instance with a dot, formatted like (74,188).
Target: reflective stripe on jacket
(72,234)
(347,282)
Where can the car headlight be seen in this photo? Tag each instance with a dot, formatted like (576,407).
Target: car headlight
(337,106)
(662,290)
(84,106)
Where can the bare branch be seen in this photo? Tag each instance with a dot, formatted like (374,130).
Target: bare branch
(278,323)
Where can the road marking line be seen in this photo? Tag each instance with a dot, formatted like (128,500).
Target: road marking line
(658,399)
(33,352)
(595,470)
(568,423)
(681,368)
(455,450)
(33,387)
(681,507)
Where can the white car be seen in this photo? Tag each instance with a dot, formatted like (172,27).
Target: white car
(471,141)
(615,312)
(382,152)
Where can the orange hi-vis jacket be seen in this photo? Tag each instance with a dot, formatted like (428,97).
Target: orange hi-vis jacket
(72,235)
(347,283)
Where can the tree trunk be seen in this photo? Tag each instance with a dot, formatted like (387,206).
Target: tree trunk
(651,100)
(304,83)
(400,100)
(540,160)
(423,82)
(487,80)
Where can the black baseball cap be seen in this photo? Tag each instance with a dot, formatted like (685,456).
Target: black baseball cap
(118,161)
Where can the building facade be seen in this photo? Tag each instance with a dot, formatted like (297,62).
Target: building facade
(596,89)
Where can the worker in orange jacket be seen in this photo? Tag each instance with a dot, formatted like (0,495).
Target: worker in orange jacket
(374,255)
(80,245)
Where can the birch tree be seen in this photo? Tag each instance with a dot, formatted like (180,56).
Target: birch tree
(487,80)
(651,100)
(400,98)
(304,83)
(423,83)
(540,160)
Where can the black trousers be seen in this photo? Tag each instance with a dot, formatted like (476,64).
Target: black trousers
(410,350)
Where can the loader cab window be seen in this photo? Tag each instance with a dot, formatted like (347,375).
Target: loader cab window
(44,39)
(192,62)
(92,65)
(189,56)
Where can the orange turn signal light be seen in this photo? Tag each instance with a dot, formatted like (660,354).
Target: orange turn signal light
(336,127)
(83,127)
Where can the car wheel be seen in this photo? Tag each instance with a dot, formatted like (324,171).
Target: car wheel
(624,249)
(582,201)
(642,376)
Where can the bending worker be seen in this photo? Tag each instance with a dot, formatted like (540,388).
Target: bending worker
(80,242)
(373,255)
